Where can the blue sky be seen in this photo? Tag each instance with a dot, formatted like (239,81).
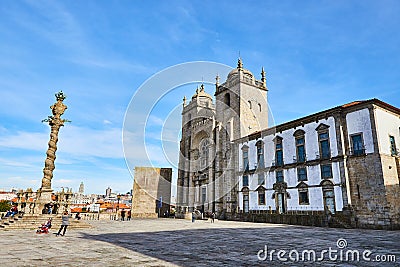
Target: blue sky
(317,54)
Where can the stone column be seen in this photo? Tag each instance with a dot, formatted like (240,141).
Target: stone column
(44,193)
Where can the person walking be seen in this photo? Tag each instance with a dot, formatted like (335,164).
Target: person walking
(129,215)
(212,217)
(64,223)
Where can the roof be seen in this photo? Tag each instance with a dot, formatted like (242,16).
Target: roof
(76,209)
(23,199)
(114,206)
(320,115)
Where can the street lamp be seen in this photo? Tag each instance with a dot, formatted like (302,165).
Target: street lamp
(118,198)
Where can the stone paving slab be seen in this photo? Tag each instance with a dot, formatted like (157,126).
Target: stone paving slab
(173,242)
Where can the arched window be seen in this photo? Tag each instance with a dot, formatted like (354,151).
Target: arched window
(259,106)
(249,104)
(204,153)
(227,99)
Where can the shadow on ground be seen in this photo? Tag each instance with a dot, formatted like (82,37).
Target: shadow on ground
(239,246)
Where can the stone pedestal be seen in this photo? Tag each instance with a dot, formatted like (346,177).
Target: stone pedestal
(43,196)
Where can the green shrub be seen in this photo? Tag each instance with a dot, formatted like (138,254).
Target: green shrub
(5,205)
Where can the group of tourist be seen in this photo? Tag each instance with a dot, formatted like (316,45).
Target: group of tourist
(209,215)
(13,211)
(127,214)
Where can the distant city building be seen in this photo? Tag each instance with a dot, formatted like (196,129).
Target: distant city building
(108,192)
(80,198)
(4,195)
(151,192)
(81,188)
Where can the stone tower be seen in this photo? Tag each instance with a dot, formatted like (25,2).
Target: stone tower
(197,147)
(241,109)
(81,188)
(206,178)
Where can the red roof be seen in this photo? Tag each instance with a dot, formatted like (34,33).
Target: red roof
(15,199)
(76,209)
(352,104)
(114,206)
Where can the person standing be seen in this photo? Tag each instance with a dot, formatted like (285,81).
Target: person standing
(212,217)
(129,215)
(123,215)
(64,223)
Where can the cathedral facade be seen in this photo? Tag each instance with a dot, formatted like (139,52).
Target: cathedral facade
(343,160)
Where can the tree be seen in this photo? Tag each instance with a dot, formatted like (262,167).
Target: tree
(5,205)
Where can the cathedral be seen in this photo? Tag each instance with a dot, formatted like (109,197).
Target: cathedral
(342,161)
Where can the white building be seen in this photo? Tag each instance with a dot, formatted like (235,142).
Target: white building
(343,161)
(341,158)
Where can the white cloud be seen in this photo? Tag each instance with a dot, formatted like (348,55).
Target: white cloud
(24,140)
(73,140)
(154,121)
(64,181)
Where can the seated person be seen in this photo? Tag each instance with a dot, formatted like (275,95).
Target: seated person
(78,216)
(14,210)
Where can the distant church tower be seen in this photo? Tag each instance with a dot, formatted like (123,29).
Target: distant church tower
(108,192)
(206,177)
(81,188)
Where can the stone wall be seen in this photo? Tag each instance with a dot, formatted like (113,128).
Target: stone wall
(369,194)
(150,184)
(317,219)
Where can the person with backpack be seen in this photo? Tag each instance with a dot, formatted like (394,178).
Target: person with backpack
(64,223)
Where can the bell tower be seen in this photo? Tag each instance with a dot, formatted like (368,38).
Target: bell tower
(242,106)
(241,109)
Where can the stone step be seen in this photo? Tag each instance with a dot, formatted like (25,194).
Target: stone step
(34,221)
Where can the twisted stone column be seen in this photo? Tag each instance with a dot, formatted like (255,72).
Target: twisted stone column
(55,123)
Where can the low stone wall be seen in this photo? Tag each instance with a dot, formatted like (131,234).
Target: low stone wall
(145,215)
(293,219)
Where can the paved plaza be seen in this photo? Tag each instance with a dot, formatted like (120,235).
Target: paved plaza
(173,242)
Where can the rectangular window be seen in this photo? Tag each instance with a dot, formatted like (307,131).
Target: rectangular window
(278,153)
(260,155)
(300,149)
(357,145)
(324,145)
(261,197)
(393,149)
(245,160)
(245,180)
(326,171)
(279,176)
(302,174)
(261,179)
(303,197)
